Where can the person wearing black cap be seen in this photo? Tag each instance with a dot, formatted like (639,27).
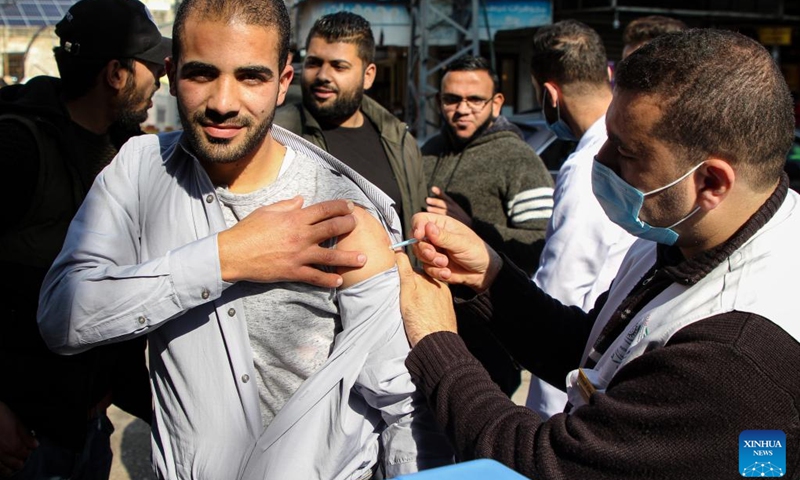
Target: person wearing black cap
(58,133)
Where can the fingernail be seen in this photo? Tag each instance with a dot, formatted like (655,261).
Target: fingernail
(362,259)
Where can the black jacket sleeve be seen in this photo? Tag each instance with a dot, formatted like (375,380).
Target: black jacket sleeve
(544,336)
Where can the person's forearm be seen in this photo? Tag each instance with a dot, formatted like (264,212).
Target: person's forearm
(633,430)
(539,332)
(85,303)
(100,289)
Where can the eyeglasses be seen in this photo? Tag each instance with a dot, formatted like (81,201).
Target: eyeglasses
(476,104)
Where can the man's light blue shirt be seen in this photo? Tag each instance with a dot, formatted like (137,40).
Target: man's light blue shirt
(141,257)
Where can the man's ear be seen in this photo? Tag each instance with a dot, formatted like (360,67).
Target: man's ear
(172,75)
(553,93)
(116,75)
(715,182)
(286,79)
(497,104)
(369,75)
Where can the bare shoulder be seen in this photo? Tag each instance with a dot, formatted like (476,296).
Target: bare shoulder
(370,238)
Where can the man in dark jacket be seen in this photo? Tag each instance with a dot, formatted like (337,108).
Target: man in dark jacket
(479,169)
(482,173)
(336,116)
(57,135)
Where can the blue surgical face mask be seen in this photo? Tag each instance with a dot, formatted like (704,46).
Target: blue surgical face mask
(623,203)
(559,127)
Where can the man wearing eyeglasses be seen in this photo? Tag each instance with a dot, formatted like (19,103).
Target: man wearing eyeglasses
(482,173)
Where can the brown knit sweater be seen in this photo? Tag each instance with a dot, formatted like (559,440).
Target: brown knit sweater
(673,413)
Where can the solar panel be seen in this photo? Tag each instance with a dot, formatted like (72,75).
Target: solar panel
(32,13)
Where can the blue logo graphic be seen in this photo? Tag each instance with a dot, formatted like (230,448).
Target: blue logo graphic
(762,453)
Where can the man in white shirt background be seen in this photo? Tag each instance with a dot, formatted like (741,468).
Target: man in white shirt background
(583,248)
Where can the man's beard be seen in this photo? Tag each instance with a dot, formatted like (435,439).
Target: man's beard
(463,142)
(220,150)
(127,117)
(342,107)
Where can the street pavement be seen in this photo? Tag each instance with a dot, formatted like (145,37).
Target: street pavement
(521,394)
(130,444)
(130,441)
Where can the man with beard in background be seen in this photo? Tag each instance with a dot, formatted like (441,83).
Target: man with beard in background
(58,133)
(336,116)
(482,173)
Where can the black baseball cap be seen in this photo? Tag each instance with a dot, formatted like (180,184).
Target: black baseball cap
(106,29)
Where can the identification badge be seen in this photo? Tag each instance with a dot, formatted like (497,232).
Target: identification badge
(585,386)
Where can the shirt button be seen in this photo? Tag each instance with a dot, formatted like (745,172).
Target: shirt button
(231,312)
(245,378)
(210,198)
(141,320)
(205,294)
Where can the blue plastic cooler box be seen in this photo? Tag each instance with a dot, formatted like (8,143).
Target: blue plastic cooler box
(482,469)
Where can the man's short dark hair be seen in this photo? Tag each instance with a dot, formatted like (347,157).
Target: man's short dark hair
(569,52)
(721,94)
(644,29)
(472,63)
(262,13)
(346,27)
(79,75)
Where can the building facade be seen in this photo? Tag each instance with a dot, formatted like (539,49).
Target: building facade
(417,38)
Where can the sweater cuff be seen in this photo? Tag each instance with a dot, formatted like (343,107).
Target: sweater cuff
(434,356)
(511,282)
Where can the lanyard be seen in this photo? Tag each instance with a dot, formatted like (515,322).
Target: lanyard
(653,283)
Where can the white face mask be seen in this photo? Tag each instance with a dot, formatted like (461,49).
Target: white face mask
(623,203)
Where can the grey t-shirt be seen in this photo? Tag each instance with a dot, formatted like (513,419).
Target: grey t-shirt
(291,325)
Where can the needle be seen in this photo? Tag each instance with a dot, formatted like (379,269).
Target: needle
(404,243)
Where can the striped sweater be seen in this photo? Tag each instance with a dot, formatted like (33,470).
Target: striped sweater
(501,182)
